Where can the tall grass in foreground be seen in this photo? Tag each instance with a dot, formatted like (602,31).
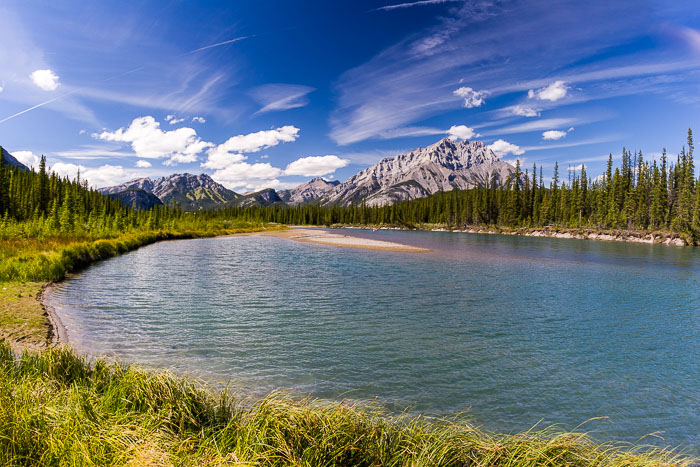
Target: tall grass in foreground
(56,409)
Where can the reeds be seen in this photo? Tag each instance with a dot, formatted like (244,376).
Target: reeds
(58,409)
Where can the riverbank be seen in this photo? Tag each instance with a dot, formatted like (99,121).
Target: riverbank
(323,237)
(28,267)
(56,408)
(630,236)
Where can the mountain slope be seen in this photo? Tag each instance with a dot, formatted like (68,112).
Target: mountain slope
(264,198)
(10,159)
(137,198)
(192,192)
(307,192)
(444,166)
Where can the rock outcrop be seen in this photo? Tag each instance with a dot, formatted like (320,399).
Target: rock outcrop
(308,192)
(444,166)
(191,192)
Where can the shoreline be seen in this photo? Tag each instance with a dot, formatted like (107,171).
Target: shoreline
(57,331)
(628,236)
(323,237)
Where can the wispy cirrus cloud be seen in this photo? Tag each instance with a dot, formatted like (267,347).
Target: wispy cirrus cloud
(278,97)
(414,79)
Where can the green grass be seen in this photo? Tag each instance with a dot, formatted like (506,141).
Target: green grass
(56,409)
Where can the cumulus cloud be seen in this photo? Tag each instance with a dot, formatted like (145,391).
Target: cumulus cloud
(315,166)
(45,79)
(243,174)
(231,151)
(97,177)
(198,119)
(219,158)
(502,148)
(27,158)
(143,164)
(254,142)
(524,111)
(460,132)
(553,135)
(150,142)
(555,91)
(173,120)
(471,97)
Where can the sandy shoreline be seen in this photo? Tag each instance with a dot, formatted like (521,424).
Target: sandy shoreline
(58,330)
(324,237)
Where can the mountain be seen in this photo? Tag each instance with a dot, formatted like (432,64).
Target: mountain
(137,198)
(444,166)
(307,192)
(266,197)
(192,192)
(10,159)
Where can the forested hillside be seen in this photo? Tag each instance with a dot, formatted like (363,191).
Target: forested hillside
(42,204)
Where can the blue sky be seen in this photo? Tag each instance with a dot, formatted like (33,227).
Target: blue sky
(271,93)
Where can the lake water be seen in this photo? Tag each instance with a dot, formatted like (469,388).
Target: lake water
(515,330)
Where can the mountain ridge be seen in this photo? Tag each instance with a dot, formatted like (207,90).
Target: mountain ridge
(443,166)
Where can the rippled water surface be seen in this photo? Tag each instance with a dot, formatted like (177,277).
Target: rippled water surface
(514,329)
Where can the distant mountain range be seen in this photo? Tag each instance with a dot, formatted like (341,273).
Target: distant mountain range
(191,192)
(10,159)
(444,166)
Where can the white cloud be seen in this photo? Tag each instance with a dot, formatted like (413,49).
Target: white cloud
(106,175)
(254,142)
(277,97)
(82,132)
(524,111)
(173,120)
(541,124)
(575,168)
(460,132)
(241,174)
(219,158)
(471,97)
(231,151)
(45,79)
(143,164)
(553,135)
(555,91)
(265,156)
(150,142)
(198,120)
(27,158)
(2,88)
(315,166)
(502,148)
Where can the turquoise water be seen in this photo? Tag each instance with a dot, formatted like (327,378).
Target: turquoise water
(514,330)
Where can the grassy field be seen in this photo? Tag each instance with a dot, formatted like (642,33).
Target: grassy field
(56,409)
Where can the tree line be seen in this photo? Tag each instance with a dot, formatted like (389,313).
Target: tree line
(41,203)
(639,194)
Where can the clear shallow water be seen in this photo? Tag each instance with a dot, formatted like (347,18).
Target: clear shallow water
(514,329)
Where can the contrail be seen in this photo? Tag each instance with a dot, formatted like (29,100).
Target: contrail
(230,41)
(36,106)
(412,4)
